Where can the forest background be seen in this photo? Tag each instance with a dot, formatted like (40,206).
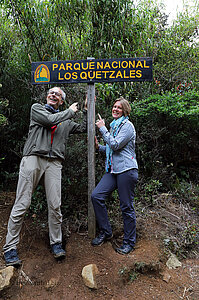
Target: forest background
(165,111)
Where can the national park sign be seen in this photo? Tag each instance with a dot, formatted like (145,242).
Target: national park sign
(92,70)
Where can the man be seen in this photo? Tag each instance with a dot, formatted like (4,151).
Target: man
(43,154)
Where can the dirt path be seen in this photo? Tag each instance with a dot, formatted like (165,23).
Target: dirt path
(138,275)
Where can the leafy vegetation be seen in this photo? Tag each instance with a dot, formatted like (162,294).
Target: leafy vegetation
(168,135)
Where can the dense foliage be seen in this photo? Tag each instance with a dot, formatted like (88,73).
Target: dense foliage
(168,130)
(164,111)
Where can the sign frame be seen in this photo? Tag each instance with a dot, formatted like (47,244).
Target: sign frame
(92,71)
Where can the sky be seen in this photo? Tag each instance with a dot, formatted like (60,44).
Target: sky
(174,6)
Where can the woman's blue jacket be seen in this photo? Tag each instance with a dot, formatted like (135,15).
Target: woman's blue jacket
(123,146)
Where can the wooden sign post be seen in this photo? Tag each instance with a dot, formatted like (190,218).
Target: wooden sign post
(91,158)
(91,71)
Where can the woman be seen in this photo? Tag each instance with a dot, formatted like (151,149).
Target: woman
(121,173)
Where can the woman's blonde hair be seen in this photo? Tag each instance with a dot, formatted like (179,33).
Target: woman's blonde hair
(125,106)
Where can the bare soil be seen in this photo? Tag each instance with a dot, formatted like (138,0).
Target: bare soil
(139,275)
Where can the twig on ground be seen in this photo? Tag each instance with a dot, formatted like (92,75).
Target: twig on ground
(177,295)
(26,277)
(27,227)
(172,214)
(185,289)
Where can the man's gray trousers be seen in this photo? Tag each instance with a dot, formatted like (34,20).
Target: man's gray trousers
(32,168)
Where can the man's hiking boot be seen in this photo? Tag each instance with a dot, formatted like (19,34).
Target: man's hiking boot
(57,250)
(11,258)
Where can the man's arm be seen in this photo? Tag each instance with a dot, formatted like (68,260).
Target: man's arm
(79,128)
(44,118)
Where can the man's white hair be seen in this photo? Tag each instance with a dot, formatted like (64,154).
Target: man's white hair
(63,95)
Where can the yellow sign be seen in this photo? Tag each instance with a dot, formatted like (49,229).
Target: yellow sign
(93,70)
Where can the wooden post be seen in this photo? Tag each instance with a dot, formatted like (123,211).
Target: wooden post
(91,157)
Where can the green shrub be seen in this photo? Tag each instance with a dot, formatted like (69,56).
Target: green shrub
(167,135)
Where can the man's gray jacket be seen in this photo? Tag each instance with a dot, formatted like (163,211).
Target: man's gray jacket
(39,136)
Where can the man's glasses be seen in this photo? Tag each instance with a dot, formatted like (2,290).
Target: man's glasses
(56,93)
